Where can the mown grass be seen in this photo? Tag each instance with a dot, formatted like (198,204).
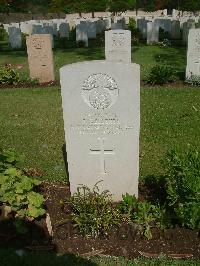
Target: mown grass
(10,258)
(146,56)
(31,122)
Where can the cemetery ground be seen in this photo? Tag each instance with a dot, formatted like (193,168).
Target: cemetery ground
(31,122)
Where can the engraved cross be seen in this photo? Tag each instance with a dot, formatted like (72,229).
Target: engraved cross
(102,152)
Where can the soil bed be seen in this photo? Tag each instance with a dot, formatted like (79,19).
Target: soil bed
(122,241)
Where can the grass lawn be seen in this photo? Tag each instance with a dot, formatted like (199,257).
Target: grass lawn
(146,56)
(31,122)
(10,258)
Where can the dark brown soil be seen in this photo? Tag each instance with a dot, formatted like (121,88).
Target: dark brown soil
(122,241)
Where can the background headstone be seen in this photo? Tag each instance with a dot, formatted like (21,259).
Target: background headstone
(152,33)
(40,57)
(118,45)
(15,38)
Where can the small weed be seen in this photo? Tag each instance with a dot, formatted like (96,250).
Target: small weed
(93,211)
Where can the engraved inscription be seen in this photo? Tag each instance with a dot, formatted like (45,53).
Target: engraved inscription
(98,124)
(118,39)
(195,51)
(100,91)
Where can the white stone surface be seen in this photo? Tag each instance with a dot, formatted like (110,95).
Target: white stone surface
(193,53)
(152,33)
(64,30)
(118,45)
(15,38)
(176,30)
(81,34)
(101,110)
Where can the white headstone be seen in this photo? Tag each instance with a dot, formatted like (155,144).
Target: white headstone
(118,45)
(15,38)
(101,109)
(176,30)
(81,34)
(193,53)
(152,33)
(91,30)
(190,24)
(64,30)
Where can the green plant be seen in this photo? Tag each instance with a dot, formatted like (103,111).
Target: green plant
(9,76)
(161,74)
(93,211)
(3,34)
(135,33)
(194,80)
(16,188)
(183,187)
(144,214)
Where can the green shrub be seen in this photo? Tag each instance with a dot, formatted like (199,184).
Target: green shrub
(163,35)
(135,33)
(93,212)
(9,76)
(16,189)
(3,34)
(183,187)
(144,214)
(194,80)
(160,75)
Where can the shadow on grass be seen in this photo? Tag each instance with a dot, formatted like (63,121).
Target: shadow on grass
(26,258)
(33,246)
(153,189)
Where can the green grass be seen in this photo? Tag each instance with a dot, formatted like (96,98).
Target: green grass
(31,122)
(146,56)
(10,258)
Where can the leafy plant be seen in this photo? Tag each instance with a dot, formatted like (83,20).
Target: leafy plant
(161,74)
(16,188)
(93,211)
(144,214)
(194,80)
(135,33)
(9,76)
(183,187)
(3,34)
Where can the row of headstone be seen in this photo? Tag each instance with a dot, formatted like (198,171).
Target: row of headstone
(101,111)
(175,29)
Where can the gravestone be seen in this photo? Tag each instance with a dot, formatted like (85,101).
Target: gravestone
(152,33)
(101,110)
(40,57)
(38,29)
(142,26)
(15,38)
(193,53)
(91,30)
(81,34)
(190,24)
(64,30)
(176,30)
(118,45)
